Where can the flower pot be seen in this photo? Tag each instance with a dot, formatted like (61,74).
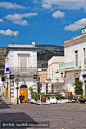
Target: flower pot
(82,101)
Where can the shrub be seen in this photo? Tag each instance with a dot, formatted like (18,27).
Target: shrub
(82,97)
(59,96)
(35,95)
(78,88)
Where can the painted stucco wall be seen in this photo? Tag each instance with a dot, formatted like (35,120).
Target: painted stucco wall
(53,66)
(14,55)
(29,81)
(69,53)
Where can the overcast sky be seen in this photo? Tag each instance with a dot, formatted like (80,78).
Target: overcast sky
(42,21)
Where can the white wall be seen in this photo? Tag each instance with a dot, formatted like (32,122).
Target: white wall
(1,87)
(69,53)
(14,55)
(28,82)
(53,66)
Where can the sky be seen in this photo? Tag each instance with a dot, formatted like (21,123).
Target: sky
(48,22)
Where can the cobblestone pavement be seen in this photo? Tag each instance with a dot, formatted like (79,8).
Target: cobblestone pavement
(60,116)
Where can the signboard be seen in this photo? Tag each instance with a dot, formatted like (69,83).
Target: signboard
(84,75)
(12,83)
(6,70)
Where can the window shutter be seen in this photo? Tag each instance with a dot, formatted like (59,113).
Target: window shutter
(23,62)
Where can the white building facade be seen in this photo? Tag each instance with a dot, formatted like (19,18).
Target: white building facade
(75,61)
(22,63)
(55,79)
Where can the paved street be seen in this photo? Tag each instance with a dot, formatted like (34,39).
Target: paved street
(66,116)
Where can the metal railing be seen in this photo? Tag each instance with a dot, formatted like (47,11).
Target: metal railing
(23,70)
(55,80)
(58,80)
(70,65)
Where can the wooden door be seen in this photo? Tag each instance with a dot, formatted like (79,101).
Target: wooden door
(24,92)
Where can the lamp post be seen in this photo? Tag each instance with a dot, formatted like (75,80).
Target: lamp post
(17,82)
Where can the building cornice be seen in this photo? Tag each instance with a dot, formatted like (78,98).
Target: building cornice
(55,63)
(74,39)
(20,47)
(76,42)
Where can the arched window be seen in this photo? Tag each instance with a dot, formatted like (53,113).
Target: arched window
(23,86)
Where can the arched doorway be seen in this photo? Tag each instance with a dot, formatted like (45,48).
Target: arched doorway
(24,92)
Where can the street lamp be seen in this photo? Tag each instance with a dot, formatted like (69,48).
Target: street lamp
(17,82)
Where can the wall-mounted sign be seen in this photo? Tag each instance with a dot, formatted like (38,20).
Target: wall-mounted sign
(12,83)
(6,70)
(84,75)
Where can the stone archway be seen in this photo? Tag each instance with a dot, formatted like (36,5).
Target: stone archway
(23,87)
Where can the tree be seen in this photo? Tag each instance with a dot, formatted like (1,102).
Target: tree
(78,87)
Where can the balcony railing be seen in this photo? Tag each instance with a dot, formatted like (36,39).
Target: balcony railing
(58,80)
(70,65)
(55,80)
(23,70)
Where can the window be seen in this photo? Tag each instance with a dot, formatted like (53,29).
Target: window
(23,62)
(84,52)
(76,79)
(76,58)
(84,58)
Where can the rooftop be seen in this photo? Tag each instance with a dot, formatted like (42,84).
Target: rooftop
(21,46)
(12,46)
(76,38)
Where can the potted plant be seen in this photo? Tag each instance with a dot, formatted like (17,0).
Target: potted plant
(82,99)
(17,87)
(79,91)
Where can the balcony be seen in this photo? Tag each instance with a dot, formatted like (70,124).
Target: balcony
(54,80)
(70,65)
(58,80)
(23,71)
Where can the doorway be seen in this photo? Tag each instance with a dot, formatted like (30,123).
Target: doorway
(24,92)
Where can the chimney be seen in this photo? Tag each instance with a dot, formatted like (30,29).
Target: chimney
(84,30)
(33,43)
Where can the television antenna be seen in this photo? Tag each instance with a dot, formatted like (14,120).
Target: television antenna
(13,38)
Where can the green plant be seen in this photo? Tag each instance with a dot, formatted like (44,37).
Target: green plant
(82,97)
(31,89)
(78,88)
(17,87)
(57,95)
(35,95)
